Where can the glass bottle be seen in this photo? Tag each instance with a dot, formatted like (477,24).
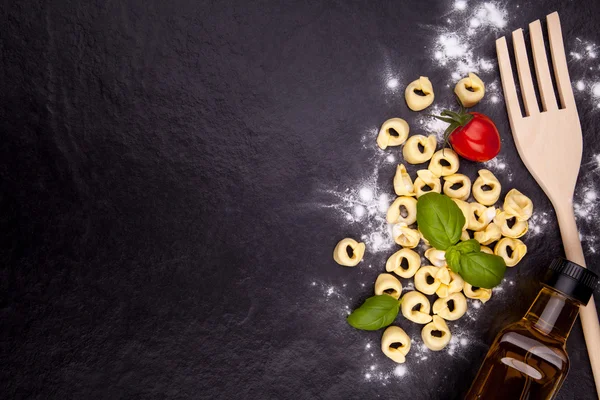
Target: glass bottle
(528,359)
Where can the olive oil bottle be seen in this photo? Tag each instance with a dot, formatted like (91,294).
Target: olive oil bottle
(528,359)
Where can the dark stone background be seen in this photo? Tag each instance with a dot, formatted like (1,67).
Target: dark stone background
(157,169)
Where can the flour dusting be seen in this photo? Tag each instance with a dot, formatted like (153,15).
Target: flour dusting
(455,49)
(365,204)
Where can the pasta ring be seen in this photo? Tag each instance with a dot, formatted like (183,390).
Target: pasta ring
(481,294)
(516,231)
(450,282)
(405,236)
(436,257)
(486,197)
(441,308)
(403,184)
(394,214)
(489,235)
(386,138)
(412,299)
(411,152)
(423,238)
(394,263)
(466,210)
(417,102)
(470,90)
(517,247)
(518,205)
(480,216)
(447,155)
(395,344)
(464,236)
(433,342)
(340,253)
(388,284)
(421,276)
(426,178)
(485,249)
(463,192)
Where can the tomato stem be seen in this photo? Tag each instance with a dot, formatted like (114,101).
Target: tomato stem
(455,119)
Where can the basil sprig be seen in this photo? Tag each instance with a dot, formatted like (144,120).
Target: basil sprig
(441,221)
(376,312)
(478,269)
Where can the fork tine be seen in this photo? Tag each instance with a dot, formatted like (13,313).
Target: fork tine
(559,60)
(542,68)
(508,82)
(527,90)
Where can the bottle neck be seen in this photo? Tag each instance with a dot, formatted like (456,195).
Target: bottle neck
(553,314)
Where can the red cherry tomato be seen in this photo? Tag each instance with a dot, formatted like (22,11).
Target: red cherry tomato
(478,140)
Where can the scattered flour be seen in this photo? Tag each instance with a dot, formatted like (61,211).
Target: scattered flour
(587,204)
(584,54)
(367,205)
(458,40)
(500,167)
(538,222)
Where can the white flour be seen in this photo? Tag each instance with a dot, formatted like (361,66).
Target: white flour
(499,167)
(455,49)
(366,204)
(538,222)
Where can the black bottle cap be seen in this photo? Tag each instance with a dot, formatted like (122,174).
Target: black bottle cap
(571,279)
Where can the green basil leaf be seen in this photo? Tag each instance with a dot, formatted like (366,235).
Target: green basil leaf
(376,312)
(479,269)
(468,246)
(440,220)
(453,259)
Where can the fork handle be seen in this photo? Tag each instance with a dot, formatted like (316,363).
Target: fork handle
(588,313)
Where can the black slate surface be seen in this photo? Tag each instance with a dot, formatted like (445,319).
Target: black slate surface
(167,171)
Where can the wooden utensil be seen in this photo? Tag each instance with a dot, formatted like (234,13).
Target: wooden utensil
(549,142)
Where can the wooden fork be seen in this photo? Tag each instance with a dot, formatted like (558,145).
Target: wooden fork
(549,142)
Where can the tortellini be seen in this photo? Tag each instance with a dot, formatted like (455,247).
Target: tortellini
(435,342)
(423,238)
(386,136)
(388,284)
(481,294)
(395,212)
(518,205)
(417,102)
(425,281)
(486,197)
(426,178)
(394,263)
(466,210)
(489,235)
(403,184)
(460,193)
(518,229)
(459,306)
(410,301)
(405,236)
(348,252)
(516,247)
(436,257)
(470,90)
(464,235)
(395,344)
(442,157)
(485,249)
(480,216)
(411,152)
(450,282)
